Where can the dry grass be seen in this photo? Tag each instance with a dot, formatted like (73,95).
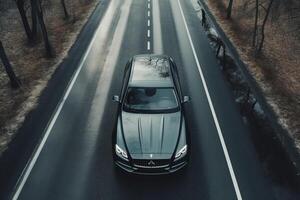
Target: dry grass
(29,61)
(277,68)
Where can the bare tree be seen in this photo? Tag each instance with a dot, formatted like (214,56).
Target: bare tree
(37,11)
(263,26)
(203,20)
(64,8)
(37,18)
(229,9)
(254,39)
(33,18)
(21,8)
(15,83)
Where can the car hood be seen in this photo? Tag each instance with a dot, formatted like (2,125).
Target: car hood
(151,133)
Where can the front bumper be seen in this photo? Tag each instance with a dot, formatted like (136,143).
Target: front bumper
(153,170)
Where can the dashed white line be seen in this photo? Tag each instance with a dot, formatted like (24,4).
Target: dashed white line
(220,134)
(149,24)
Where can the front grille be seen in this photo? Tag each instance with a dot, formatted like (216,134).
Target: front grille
(151,163)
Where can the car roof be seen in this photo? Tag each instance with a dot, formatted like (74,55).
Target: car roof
(150,70)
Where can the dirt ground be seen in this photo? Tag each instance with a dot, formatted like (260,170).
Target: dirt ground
(277,68)
(29,61)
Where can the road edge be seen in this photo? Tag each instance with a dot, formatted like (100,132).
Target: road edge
(285,139)
(15,158)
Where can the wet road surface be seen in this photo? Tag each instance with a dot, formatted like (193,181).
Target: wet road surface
(74,158)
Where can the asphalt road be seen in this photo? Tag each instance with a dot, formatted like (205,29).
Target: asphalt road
(74,158)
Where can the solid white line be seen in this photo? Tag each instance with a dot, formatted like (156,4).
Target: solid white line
(232,174)
(148,45)
(49,128)
(30,165)
(148,23)
(148,13)
(148,33)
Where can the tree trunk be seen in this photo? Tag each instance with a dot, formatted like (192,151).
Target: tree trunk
(40,17)
(203,17)
(64,8)
(33,18)
(255,24)
(263,26)
(15,83)
(20,5)
(229,9)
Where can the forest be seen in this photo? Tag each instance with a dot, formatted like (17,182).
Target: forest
(266,34)
(35,36)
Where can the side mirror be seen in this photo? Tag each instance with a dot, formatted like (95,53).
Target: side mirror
(186,99)
(116,98)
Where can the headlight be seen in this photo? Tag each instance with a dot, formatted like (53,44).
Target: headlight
(120,152)
(181,152)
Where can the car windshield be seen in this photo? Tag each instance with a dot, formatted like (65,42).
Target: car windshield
(150,99)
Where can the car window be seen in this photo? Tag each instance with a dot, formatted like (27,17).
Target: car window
(150,99)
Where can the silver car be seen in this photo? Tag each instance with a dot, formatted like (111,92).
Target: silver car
(150,136)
